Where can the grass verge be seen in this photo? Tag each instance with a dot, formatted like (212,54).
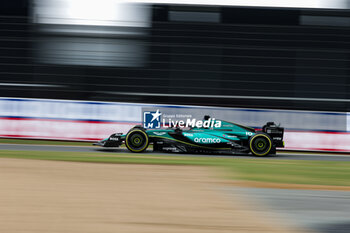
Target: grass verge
(263,170)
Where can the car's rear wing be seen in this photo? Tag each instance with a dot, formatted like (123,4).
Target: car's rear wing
(276,133)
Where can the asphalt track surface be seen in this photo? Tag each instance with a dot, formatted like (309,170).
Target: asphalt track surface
(101,150)
(315,210)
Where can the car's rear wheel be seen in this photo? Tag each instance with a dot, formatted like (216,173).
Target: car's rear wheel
(260,144)
(137,140)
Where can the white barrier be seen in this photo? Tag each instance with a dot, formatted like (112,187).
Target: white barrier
(65,120)
(91,121)
(59,130)
(317,141)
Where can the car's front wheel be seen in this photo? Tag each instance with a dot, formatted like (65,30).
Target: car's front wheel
(137,140)
(260,144)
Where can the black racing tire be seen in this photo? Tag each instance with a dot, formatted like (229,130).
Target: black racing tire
(137,140)
(260,144)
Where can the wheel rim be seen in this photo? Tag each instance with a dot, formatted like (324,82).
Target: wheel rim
(136,140)
(260,144)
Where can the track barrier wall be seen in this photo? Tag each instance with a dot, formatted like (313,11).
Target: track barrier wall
(91,121)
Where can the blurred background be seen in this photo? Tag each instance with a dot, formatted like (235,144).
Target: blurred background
(80,70)
(261,54)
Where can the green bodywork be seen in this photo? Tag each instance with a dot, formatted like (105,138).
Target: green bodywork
(224,136)
(227,133)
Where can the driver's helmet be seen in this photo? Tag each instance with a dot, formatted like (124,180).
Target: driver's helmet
(206,117)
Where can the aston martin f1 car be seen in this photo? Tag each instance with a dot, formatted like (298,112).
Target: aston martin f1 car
(230,138)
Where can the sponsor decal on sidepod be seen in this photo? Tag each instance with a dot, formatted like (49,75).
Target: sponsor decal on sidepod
(207,140)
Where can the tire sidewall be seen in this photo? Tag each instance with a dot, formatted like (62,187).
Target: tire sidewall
(143,135)
(256,137)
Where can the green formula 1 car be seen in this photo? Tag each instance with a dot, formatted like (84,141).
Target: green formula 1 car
(229,138)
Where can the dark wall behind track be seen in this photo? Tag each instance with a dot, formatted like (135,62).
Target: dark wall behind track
(241,52)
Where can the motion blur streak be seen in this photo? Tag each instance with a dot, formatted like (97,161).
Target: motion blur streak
(87,197)
(191,53)
(83,69)
(328,4)
(304,208)
(97,13)
(106,18)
